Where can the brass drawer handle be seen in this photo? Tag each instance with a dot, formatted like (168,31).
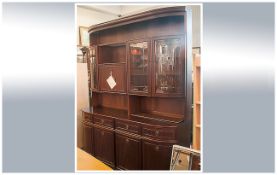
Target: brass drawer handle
(102,133)
(102,121)
(127,140)
(157,148)
(127,127)
(157,133)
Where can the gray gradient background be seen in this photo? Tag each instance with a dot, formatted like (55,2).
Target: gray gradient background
(238,93)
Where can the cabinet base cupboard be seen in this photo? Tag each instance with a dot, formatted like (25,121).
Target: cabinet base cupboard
(141,89)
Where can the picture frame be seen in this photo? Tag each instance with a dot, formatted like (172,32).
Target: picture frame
(83,36)
(183,158)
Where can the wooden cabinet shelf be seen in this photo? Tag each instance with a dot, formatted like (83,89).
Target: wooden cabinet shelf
(118,113)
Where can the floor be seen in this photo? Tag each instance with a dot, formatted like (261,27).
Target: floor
(86,162)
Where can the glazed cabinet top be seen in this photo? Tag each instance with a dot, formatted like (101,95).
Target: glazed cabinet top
(140,66)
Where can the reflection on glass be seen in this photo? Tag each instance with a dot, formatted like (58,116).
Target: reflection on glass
(93,68)
(139,67)
(169,66)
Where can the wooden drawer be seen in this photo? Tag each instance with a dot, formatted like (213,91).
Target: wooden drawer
(128,126)
(167,132)
(103,121)
(87,116)
(118,73)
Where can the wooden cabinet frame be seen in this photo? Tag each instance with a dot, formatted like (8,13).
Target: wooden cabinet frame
(156,110)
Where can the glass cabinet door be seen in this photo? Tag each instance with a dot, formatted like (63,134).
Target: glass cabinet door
(93,68)
(169,66)
(139,67)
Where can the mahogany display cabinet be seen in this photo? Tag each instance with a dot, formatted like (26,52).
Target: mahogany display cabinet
(141,89)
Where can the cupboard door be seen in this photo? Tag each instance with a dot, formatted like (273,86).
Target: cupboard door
(128,152)
(88,138)
(156,156)
(139,68)
(104,145)
(169,66)
(114,73)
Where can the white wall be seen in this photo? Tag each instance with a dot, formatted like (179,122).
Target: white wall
(86,18)
(91,15)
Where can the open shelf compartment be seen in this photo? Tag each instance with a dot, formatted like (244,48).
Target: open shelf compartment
(112,53)
(158,108)
(114,105)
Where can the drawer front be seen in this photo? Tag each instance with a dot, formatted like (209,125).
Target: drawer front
(87,116)
(103,121)
(127,126)
(119,75)
(168,133)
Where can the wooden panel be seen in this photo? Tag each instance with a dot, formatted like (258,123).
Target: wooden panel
(119,74)
(156,156)
(114,35)
(88,138)
(104,145)
(172,25)
(167,133)
(104,121)
(128,126)
(128,152)
(112,54)
(109,100)
(158,107)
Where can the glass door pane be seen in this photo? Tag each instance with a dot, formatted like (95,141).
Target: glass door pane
(169,67)
(139,61)
(93,68)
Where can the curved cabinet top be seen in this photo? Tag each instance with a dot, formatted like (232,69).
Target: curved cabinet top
(147,15)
